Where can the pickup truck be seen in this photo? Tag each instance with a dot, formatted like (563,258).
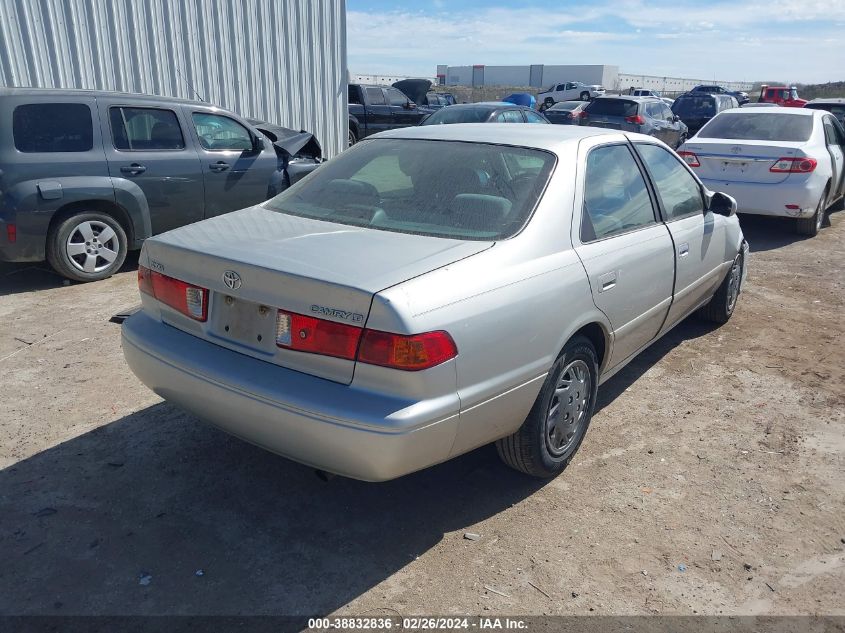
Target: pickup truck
(378,108)
(786,96)
(570,91)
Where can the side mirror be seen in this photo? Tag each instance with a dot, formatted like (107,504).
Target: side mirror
(257,143)
(720,203)
(410,105)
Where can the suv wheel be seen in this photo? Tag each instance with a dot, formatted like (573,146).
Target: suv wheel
(88,246)
(585,96)
(549,101)
(545,443)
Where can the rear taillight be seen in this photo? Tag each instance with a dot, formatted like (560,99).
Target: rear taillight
(690,159)
(302,333)
(190,300)
(411,353)
(12,233)
(316,336)
(788,165)
(583,114)
(637,119)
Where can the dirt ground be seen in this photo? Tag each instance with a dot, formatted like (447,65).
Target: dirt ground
(712,480)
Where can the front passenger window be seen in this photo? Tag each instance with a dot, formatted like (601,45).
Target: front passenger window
(615,196)
(218,132)
(679,191)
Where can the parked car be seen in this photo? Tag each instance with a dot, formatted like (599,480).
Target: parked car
(87,176)
(696,109)
(786,96)
(412,300)
(643,92)
(569,91)
(378,108)
(297,154)
(644,115)
(565,112)
(484,112)
(781,161)
(835,106)
(419,91)
(741,97)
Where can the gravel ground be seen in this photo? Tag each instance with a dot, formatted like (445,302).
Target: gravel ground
(712,480)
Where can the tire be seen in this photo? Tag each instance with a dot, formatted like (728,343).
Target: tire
(352,137)
(722,304)
(585,96)
(75,250)
(549,101)
(545,443)
(812,225)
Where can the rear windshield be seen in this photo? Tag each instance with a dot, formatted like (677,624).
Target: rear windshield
(703,106)
(566,105)
(470,191)
(837,109)
(612,107)
(458,115)
(759,126)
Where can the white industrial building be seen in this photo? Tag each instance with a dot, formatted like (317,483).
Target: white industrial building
(541,76)
(282,61)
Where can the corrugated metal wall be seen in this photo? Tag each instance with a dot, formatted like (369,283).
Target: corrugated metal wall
(283,61)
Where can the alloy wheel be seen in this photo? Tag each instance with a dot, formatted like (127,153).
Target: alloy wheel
(92,246)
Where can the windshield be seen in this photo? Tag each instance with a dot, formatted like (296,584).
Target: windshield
(612,107)
(471,191)
(753,126)
(459,115)
(695,107)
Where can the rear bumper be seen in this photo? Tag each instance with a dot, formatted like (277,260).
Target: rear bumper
(317,422)
(771,199)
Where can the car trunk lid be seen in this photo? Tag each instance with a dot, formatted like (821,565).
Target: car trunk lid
(742,160)
(311,267)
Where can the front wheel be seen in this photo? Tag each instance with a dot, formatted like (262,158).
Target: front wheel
(551,434)
(352,138)
(549,102)
(88,246)
(721,306)
(585,96)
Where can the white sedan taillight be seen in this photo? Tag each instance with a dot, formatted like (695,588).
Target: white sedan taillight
(190,300)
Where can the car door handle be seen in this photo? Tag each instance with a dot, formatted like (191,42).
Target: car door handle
(219,166)
(133,169)
(607,281)
(683,249)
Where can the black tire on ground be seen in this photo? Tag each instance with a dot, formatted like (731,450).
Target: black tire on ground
(722,304)
(529,450)
(68,249)
(549,101)
(812,225)
(352,137)
(585,96)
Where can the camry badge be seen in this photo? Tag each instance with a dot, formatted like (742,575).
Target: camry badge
(232,279)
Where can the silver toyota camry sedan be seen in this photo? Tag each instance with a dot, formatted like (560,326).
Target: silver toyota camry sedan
(432,290)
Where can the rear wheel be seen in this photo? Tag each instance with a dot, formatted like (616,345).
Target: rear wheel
(551,434)
(812,225)
(549,102)
(585,96)
(721,306)
(88,246)
(352,137)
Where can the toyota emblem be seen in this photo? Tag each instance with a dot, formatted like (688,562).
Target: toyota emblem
(232,279)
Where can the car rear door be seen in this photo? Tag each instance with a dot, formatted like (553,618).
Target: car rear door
(150,146)
(235,175)
(626,251)
(698,236)
(834,140)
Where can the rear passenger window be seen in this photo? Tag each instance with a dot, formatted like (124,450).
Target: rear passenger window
(375,96)
(53,127)
(137,129)
(678,190)
(615,196)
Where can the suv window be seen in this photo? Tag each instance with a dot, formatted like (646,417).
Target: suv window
(375,96)
(217,132)
(396,97)
(615,196)
(137,129)
(678,190)
(53,127)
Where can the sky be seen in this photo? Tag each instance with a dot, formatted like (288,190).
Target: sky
(799,41)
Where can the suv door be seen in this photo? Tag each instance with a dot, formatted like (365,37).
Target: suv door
(834,140)
(235,175)
(699,237)
(660,127)
(626,251)
(149,147)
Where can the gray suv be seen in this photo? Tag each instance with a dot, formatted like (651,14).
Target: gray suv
(644,115)
(86,176)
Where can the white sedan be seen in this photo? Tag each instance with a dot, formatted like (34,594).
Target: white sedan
(779,161)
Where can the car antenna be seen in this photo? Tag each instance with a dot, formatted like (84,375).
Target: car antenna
(182,77)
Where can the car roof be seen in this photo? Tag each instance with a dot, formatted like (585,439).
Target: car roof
(832,100)
(61,92)
(548,137)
